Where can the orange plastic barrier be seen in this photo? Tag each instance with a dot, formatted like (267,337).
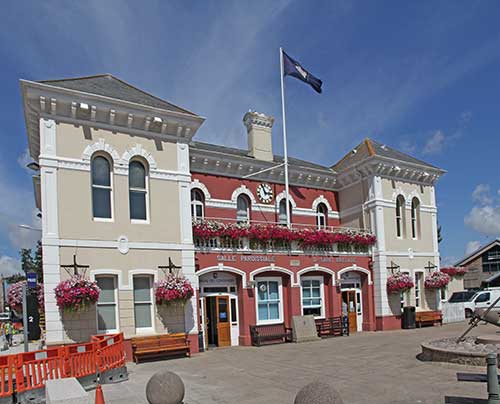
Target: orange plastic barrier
(79,360)
(7,371)
(34,368)
(110,353)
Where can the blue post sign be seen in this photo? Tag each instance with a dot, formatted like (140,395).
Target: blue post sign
(31,277)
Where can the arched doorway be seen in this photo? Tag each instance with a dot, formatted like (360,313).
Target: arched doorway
(218,303)
(352,299)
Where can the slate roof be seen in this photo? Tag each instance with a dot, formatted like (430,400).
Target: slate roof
(109,86)
(369,148)
(240,153)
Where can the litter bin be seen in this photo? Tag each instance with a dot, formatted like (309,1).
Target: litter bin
(408,319)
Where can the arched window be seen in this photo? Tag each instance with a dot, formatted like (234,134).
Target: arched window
(138,190)
(282,212)
(197,204)
(400,215)
(101,187)
(242,209)
(321,216)
(415,217)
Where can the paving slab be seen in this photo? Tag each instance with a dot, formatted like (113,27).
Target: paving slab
(369,367)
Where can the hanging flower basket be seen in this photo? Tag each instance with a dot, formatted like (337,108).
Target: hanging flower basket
(454,271)
(436,280)
(399,282)
(173,290)
(15,296)
(76,294)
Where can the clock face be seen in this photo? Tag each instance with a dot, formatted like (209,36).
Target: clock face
(265,193)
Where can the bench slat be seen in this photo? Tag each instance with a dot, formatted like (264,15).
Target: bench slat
(160,345)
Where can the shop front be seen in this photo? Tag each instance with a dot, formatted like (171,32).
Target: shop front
(240,290)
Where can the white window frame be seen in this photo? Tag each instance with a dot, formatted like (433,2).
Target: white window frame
(415,218)
(418,288)
(280,293)
(196,202)
(400,216)
(117,309)
(321,290)
(110,187)
(321,215)
(403,295)
(249,203)
(146,190)
(145,330)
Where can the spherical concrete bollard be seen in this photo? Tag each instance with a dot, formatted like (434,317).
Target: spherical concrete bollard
(165,387)
(318,393)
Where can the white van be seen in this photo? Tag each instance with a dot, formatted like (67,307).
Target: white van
(482,300)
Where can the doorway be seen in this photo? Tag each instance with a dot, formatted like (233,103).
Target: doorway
(217,321)
(351,301)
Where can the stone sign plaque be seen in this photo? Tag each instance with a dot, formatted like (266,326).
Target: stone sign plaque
(304,329)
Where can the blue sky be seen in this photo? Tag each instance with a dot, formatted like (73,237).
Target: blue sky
(419,76)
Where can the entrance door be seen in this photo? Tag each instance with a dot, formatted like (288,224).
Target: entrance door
(223,321)
(350,299)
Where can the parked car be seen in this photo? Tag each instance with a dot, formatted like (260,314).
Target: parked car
(482,300)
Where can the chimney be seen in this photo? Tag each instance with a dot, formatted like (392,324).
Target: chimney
(259,128)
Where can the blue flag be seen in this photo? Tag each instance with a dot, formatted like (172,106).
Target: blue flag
(293,68)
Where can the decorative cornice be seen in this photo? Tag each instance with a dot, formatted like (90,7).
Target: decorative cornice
(256,118)
(96,111)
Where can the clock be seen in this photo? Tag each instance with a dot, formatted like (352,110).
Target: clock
(265,193)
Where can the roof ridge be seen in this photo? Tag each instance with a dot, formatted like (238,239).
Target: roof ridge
(77,78)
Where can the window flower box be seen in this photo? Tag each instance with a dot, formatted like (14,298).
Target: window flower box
(454,271)
(399,282)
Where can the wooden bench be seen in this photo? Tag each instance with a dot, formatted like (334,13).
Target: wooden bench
(332,326)
(160,345)
(428,317)
(270,334)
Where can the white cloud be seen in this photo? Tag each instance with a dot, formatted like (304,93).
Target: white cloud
(9,266)
(484,217)
(407,146)
(435,144)
(472,246)
(448,261)
(481,194)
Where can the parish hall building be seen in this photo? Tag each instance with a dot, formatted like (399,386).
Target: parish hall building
(124,188)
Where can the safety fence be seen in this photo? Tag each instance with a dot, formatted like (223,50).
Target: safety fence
(24,373)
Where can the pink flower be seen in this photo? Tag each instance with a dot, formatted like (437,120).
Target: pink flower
(399,282)
(76,293)
(172,289)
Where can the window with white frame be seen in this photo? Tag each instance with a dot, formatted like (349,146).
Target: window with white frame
(400,215)
(242,209)
(197,204)
(107,312)
(138,190)
(321,216)
(282,212)
(312,296)
(101,187)
(415,217)
(402,296)
(143,303)
(269,301)
(418,287)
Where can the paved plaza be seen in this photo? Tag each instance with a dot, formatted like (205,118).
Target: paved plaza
(375,367)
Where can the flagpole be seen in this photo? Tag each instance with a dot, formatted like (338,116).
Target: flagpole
(285,152)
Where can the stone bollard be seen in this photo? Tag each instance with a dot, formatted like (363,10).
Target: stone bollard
(318,393)
(165,387)
(493,387)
